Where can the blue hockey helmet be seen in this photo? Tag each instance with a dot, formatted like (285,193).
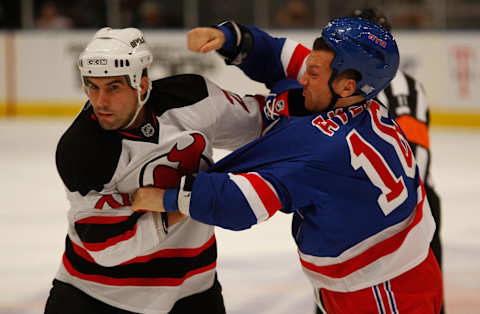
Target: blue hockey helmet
(365,47)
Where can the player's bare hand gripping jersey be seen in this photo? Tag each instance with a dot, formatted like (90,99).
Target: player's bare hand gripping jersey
(130,258)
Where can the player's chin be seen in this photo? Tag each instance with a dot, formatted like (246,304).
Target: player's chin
(308,104)
(109,125)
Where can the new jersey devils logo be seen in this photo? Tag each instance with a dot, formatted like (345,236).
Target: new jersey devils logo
(166,170)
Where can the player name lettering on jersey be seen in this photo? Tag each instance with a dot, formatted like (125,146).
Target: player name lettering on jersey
(327,126)
(339,113)
(330,125)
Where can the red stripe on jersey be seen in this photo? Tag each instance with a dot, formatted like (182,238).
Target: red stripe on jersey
(154,118)
(145,282)
(296,61)
(241,102)
(180,252)
(268,197)
(372,254)
(82,252)
(228,96)
(166,253)
(98,246)
(261,101)
(129,135)
(103,220)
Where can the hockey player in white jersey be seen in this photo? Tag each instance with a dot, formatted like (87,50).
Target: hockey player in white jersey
(344,169)
(133,132)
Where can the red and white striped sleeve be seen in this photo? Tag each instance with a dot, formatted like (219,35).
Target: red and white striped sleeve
(293,57)
(259,193)
(233,201)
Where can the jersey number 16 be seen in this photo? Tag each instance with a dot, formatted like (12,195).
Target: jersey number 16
(364,155)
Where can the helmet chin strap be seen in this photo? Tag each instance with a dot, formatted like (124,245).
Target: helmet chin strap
(140,103)
(335,96)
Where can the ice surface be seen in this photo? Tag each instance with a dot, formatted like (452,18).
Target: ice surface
(258,268)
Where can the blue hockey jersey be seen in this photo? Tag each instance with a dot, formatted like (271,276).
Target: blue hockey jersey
(349,177)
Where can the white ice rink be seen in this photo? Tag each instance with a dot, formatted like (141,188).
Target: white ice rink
(258,268)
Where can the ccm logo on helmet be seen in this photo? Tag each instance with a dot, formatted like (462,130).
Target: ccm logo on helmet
(137,41)
(97,61)
(377,40)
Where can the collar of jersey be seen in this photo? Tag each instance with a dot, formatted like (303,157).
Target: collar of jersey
(138,135)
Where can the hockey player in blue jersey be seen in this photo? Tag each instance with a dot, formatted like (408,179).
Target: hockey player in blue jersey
(344,169)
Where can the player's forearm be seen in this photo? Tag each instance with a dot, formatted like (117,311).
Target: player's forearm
(230,201)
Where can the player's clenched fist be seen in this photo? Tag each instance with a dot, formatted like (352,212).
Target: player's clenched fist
(205,39)
(148,198)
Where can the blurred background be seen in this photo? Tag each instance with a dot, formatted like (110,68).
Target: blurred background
(40,41)
(40,93)
(404,14)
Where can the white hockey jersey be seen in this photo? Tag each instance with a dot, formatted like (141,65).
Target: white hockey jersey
(133,260)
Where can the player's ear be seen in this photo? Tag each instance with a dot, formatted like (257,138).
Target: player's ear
(347,87)
(143,85)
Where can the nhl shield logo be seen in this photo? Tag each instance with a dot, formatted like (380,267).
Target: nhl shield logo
(279,105)
(148,130)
